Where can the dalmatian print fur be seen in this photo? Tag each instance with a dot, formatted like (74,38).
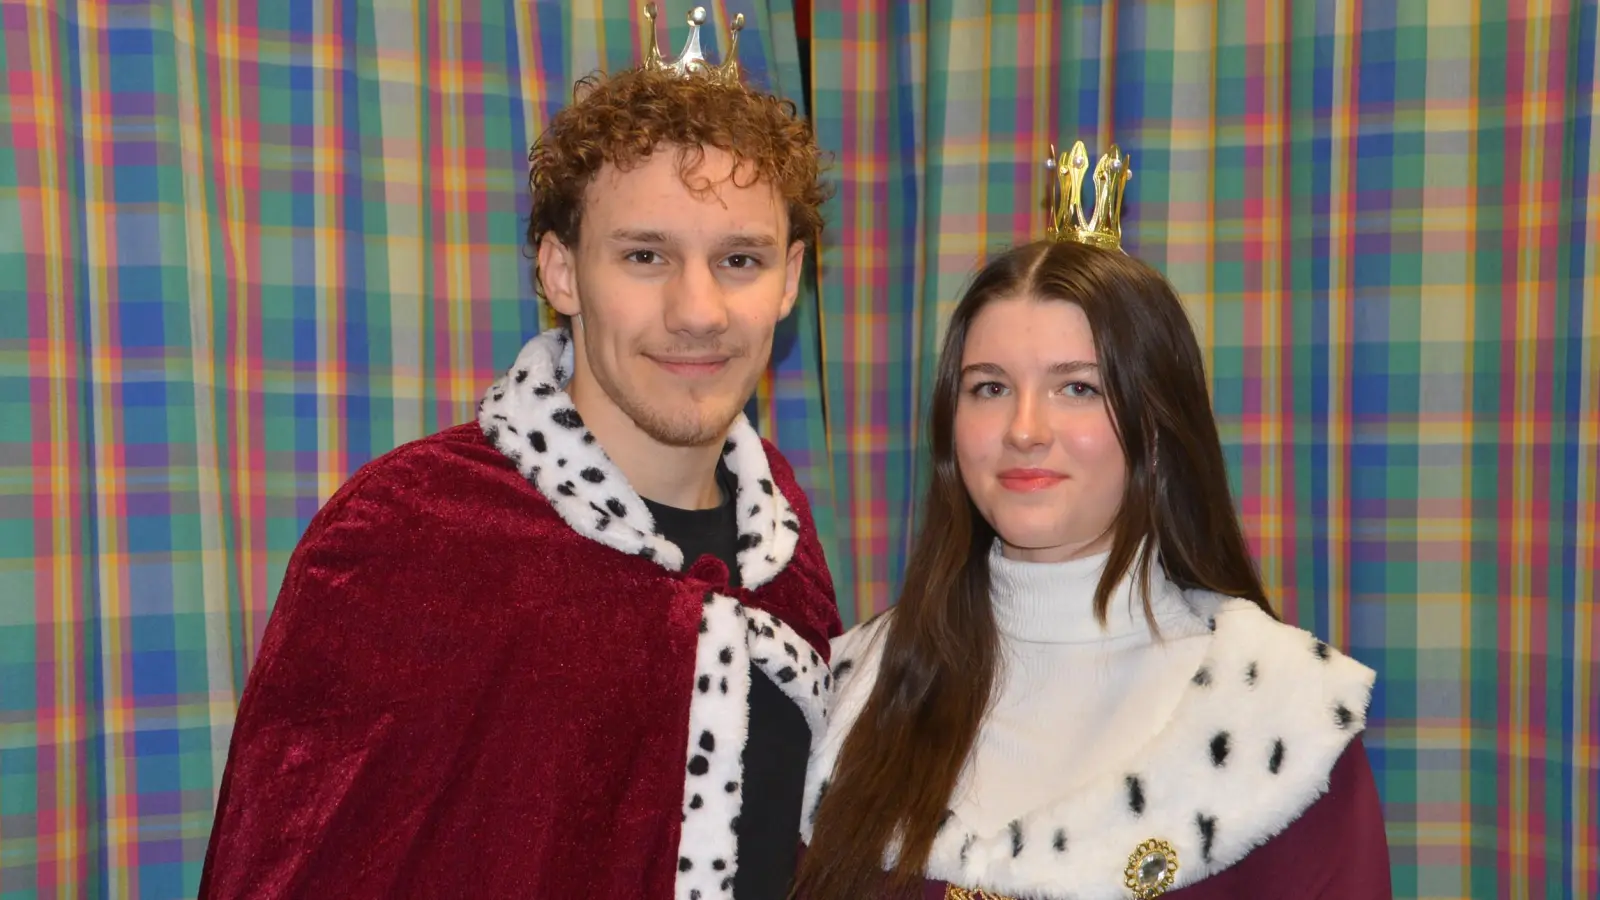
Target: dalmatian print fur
(797,669)
(719,722)
(732,636)
(1247,751)
(768,526)
(530,418)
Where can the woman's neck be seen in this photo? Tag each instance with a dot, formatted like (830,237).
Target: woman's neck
(1054,602)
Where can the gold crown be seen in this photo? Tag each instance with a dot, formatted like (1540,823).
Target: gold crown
(1103,227)
(692,61)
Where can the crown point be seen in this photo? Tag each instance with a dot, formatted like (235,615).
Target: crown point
(697,16)
(650,11)
(738,23)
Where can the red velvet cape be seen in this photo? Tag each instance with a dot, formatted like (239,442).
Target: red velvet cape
(459,695)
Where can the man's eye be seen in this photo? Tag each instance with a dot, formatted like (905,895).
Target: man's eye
(743,261)
(644,257)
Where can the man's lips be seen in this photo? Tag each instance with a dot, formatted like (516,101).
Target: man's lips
(1026,480)
(691,366)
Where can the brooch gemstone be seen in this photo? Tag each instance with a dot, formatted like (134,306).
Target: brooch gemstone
(1152,867)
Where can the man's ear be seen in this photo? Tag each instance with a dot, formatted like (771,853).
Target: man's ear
(558,273)
(794,265)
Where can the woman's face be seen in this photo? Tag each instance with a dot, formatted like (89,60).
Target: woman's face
(1033,431)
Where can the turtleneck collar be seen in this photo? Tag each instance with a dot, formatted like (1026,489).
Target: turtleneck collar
(1053,603)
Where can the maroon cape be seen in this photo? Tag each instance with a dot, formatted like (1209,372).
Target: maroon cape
(458,694)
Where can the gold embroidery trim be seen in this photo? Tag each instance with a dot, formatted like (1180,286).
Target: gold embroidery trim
(951,892)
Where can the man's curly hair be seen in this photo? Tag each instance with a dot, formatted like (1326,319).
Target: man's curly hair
(623,118)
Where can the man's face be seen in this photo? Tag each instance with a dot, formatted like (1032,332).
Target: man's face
(674,295)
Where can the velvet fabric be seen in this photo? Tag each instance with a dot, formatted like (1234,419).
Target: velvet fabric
(458,695)
(1335,850)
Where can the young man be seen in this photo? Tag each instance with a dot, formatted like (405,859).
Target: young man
(577,648)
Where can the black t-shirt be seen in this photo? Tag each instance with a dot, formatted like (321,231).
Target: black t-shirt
(780,740)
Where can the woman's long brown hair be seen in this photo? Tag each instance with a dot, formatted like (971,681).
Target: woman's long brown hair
(904,754)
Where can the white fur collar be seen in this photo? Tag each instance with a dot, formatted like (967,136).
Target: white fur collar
(1248,749)
(528,416)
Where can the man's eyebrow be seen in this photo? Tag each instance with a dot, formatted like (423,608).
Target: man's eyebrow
(739,241)
(638,236)
(748,241)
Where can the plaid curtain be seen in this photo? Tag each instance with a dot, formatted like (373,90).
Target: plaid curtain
(1385,221)
(244,248)
(247,246)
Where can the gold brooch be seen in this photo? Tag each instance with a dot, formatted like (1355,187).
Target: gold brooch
(1152,866)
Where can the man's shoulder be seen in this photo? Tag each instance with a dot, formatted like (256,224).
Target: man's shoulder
(454,452)
(456,444)
(786,481)
(779,463)
(455,473)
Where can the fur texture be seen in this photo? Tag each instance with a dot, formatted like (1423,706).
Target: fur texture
(1248,750)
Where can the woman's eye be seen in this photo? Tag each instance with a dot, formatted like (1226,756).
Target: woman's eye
(1082,389)
(987,389)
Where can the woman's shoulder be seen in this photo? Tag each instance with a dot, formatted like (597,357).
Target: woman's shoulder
(1348,816)
(854,660)
(1275,661)
(858,649)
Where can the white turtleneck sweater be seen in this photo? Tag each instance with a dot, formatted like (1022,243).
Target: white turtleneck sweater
(1074,698)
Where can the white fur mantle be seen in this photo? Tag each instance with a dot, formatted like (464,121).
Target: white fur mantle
(530,418)
(1247,750)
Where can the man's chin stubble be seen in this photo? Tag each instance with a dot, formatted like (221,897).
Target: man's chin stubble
(684,434)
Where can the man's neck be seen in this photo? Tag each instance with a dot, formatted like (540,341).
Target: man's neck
(680,477)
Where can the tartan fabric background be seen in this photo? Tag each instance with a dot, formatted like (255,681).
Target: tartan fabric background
(246,246)
(1385,220)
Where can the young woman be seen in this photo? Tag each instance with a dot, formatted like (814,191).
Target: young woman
(1082,692)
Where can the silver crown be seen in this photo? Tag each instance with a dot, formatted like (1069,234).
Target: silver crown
(692,61)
